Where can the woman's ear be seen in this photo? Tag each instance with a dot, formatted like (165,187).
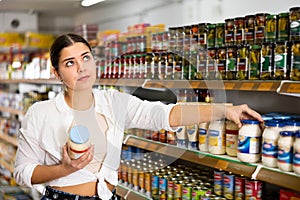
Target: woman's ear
(55,72)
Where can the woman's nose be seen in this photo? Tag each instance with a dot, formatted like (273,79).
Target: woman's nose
(80,66)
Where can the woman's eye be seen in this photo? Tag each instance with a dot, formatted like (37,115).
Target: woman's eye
(86,58)
(69,63)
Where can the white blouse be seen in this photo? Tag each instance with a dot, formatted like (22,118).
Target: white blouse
(44,133)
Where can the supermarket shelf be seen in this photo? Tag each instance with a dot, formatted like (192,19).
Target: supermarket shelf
(9,139)
(246,85)
(226,163)
(128,193)
(11,110)
(6,165)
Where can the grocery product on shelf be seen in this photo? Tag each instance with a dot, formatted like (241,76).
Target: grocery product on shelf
(285,150)
(296,153)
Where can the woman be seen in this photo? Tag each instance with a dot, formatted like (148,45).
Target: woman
(42,156)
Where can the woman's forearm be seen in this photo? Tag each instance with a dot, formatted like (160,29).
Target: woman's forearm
(189,114)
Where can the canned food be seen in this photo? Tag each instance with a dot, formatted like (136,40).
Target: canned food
(254,62)
(228,185)
(295,61)
(295,23)
(239,25)
(280,61)
(218,182)
(283,27)
(242,62)
(229,31)
(267,66)
(271,28)
(253,190)
(239,189)
(249,28)
(231,64)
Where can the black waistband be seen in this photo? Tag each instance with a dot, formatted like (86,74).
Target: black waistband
(60,195)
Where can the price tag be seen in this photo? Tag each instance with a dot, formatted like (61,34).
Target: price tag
(293,88)
(247,86)
(265,86)
(229,86)
(222,164)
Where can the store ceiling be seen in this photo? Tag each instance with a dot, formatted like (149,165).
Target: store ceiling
(49,7)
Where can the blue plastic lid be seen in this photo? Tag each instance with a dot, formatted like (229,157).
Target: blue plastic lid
(275,123)
(79,134)
(283,117)
(292,123)
(266,118)
(287,133)
(250,121)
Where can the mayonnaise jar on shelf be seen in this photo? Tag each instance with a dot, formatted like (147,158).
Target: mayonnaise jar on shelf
(296,155)
(79,141)
(249,141)
(285,150)
(216,137)
(232,131)
(270,138)
(292,125)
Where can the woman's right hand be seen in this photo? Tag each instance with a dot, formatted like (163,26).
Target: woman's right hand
(73,165)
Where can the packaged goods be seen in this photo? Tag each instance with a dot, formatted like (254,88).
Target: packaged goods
(239,189)
(221,63)
(260,26)
(249,29)
(203,138)
(295,61)
(231,63)
(292,125)
(229,31)
(296,155)
(249,141)
(283,27)
(280,61)
(218,182)
(242,62)
(228,185)
(78,142)
(220,31)
(254,62)
(231,131)
(211,35)
(267,62)
(202,37)
(253,189)
(192,133)
(295,23)
(216,137)
(270,138)
(239,26)
(285,150)
(271,28)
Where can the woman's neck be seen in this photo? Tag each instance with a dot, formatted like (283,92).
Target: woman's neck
(79,100)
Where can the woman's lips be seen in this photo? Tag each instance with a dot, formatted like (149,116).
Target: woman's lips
(83,78)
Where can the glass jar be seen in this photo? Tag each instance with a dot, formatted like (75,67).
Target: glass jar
(270,138)
(267,66)
(283,27)
(220,30)
(296,153)
(79,141)
(202,37)
(249,29)
(211,35)
(201,64)
(271,28)
(242,62)
(295,61)
(285,150)
(172,39)
(217,137)
(221,63)
(232,131)
(249,142)
(294,23)
(231,64)
(211,63)
(254,62)
(280,61)
(239,25)
(260,26)
(229,31)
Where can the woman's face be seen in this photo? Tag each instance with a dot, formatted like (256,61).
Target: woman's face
(76,67)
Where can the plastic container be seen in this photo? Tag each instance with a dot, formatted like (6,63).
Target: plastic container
(78,142)
(216,137)
(203,139)
(232,131)
(285,150)
(296,155)
(249,141)
(270,138)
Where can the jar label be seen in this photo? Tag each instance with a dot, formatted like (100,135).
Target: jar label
(228,186)
(248,145)
(296,159)
(281,61)
(285,155)
(295,28)
(269,149)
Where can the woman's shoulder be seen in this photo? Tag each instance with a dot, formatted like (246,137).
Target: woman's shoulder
(41,107)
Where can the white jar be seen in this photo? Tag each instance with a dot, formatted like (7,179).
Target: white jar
(78,142)
(270,138)
(216,137)
(249,141)
(296,155)
(285,150)
(292,125)
(203,138)
(232,131)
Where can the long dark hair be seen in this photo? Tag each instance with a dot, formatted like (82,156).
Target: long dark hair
(61,42)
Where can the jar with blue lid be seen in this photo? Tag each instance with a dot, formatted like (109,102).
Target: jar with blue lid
(285,150)
(79,141)
(292,125)
(296,155)
(270,138)
(249,141)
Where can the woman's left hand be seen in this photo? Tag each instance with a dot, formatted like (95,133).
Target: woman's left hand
(240,112)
